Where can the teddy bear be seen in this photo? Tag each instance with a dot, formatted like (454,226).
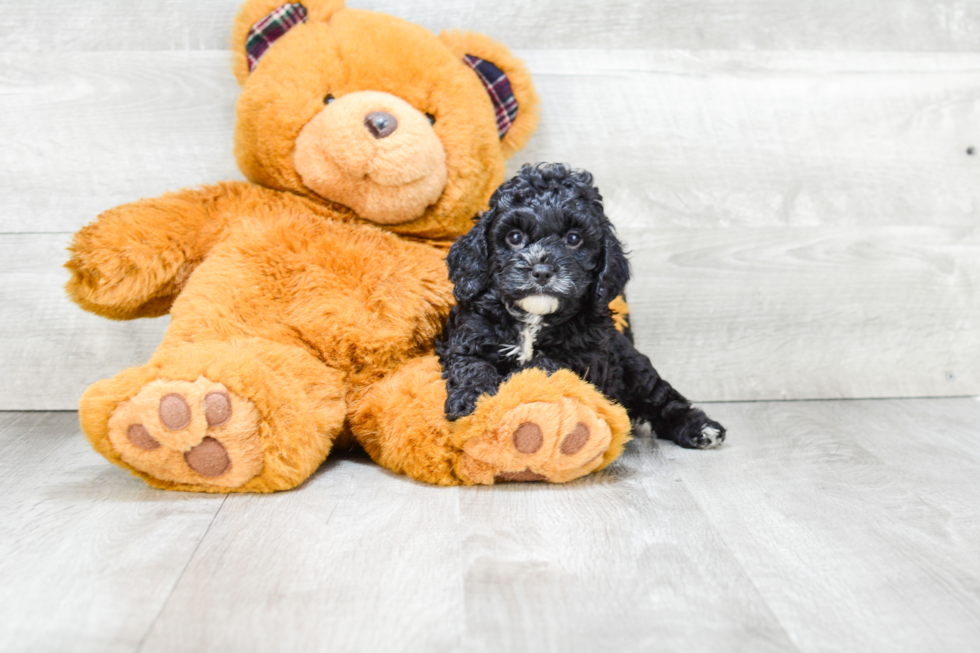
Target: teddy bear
(305,302)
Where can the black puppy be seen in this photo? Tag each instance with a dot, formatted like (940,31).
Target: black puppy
(533,280)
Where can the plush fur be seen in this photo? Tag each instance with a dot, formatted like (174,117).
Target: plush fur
(311,296)
(534,279)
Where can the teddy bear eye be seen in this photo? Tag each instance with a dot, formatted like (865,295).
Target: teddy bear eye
(516,239)
(573,239)
(431,118)
(330,98)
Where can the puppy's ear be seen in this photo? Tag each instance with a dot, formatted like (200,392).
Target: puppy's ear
(469,261)
(613,268)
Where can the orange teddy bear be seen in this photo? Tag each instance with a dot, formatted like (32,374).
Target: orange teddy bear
(304,305)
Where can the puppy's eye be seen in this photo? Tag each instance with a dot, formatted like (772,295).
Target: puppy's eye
(573,239)
(328,99)
(516,239)
(431,118)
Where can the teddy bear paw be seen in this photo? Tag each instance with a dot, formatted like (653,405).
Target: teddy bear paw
(196,432)
(538,441)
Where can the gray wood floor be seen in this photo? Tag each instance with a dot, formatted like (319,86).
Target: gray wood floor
(820,526)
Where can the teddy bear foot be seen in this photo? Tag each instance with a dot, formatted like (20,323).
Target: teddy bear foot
(244,415)
(539,441)
(195,433)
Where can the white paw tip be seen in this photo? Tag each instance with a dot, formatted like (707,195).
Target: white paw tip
(711,434)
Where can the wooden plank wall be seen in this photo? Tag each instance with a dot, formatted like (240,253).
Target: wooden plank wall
(793,178)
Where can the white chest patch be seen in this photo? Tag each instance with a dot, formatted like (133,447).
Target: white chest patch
(539,304)
(523,350)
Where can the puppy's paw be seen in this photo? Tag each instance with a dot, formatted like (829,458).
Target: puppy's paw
(462,402)
(697,431)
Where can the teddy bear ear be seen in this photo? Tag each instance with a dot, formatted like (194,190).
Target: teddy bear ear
(259,23)
(507,81)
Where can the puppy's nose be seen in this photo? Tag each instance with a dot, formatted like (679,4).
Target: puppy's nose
(542,272)
(380,123)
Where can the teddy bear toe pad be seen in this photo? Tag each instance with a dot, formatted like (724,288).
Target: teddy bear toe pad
(189,432)
(539,441)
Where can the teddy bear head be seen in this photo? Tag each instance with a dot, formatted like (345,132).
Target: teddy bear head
(408,130)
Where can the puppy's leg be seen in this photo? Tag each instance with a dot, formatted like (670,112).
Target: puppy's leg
(468,374)
(467,379)
(540,363)
(671,415)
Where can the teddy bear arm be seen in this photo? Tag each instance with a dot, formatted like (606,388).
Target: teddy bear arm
(135,258)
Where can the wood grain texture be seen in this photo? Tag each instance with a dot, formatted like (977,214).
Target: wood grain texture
(620,561)
(818,526)
(88,554)
(87,131)
(358,559)
(801,313)
(941,466)
(51,350)
(837,512)
(766,139)
(693,140)
(901,25)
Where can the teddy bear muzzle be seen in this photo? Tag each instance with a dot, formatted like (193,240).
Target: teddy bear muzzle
(374,153)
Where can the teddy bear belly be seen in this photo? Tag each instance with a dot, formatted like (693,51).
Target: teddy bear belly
(360,299)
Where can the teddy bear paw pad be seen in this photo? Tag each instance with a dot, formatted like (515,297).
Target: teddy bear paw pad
(539,441)
(196,432)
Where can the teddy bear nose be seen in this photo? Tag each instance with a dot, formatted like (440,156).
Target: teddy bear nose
(380,123)
(542,272)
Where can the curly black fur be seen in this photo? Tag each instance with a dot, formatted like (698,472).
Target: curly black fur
(546,235)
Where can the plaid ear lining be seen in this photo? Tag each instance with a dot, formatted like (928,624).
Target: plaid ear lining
(270,28)
(499,89)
